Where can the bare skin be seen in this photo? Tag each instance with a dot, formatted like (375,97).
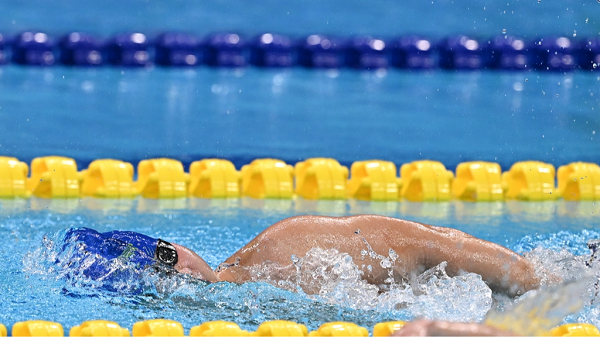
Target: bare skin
(419,247)
(424,327)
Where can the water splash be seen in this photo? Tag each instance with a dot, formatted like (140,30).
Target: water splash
(336,279)
(537,312)
(341,293)
(58,259)
(562,263)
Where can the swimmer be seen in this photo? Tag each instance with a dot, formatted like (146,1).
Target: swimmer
(366,238)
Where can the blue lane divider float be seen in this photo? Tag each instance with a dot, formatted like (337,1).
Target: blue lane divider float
(128,49)
(230,49)
(78,49)
(508,53)
(177,49)
(225,50)
(272,50)
(320,51)
(33,48)
(412,52)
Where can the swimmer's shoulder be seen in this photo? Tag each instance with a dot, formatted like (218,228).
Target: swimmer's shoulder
(382,221)
(364,220)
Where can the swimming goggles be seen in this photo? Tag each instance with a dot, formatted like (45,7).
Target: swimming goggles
(166,253)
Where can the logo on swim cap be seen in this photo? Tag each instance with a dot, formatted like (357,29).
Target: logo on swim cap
(128,252)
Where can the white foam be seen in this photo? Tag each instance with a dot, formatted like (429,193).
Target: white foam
(338,280)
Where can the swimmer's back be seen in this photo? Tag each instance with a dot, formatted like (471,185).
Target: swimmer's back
(369,239)
(366,238)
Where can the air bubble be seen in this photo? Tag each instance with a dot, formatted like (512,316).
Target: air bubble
(504,31)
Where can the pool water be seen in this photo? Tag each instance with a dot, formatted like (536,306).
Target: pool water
(290,114)
(34,286)
(242,114)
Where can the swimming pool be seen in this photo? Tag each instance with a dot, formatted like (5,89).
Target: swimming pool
(291,114)
(34,286)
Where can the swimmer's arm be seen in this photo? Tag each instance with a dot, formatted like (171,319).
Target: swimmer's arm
(190,263)
(501,268)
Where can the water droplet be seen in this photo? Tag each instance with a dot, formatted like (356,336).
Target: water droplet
(363,252)
(393,255)
(357,231)
(539,1)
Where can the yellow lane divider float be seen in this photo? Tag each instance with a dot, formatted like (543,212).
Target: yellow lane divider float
(158,327)
(37,328)
(99,328)
(13,178)
(165,327)
(214,178)
(321,178)
(108,178)
(218,328)
(268,178)
(315,178)
(54,177)
(575,329)
(387,328)
(579,181)
(161,178)
(478,181)
(280,328)
(340,329)
(530,181)
(373,180)
(425,180)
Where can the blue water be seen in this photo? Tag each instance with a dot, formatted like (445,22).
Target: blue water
(527,18)
(297,114)
(292,115)
(34,287)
